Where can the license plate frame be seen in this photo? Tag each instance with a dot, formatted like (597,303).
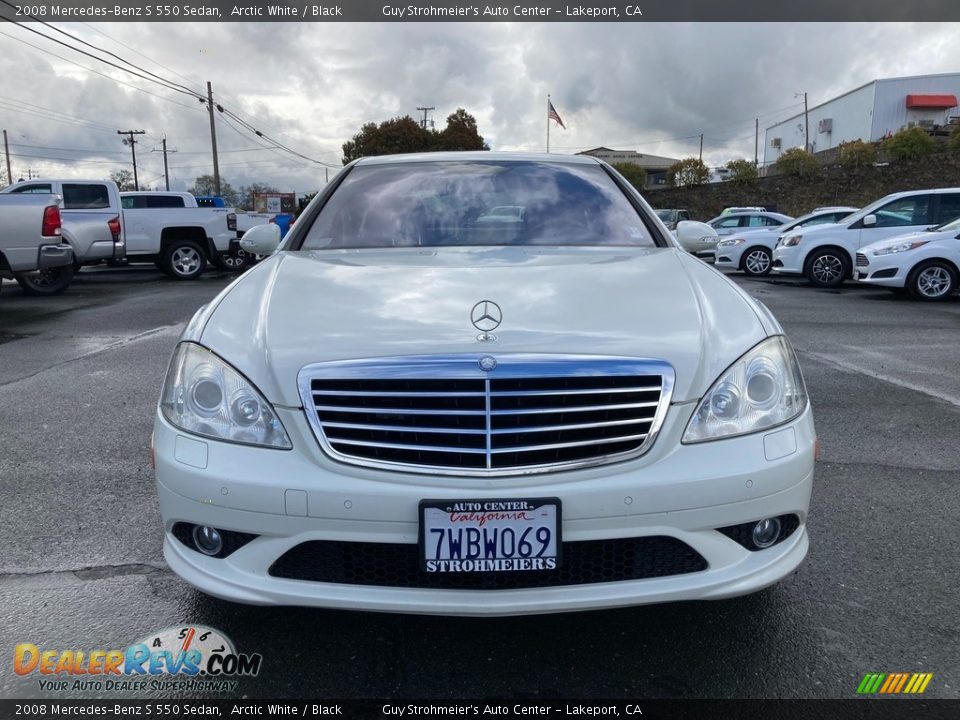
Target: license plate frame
(538,512)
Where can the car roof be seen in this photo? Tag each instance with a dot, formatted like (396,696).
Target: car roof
(478,156)
(173,193)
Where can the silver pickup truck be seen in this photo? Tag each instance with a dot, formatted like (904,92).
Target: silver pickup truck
(32,250)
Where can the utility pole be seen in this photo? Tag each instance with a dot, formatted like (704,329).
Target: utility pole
(133,149)
(166,172)
(423,123)
(701,147)
(756,143)
(6,151)
(806,124)
(213,142)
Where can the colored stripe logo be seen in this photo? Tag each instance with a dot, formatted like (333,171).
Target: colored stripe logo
(894,683)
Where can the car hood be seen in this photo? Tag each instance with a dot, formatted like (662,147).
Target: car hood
(814,229)
(907,237)
(299,308)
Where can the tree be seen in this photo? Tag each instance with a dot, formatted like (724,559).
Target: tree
(954,141)
(688,172)
(123,179)
(399,135)
(634,174)
(742,171)
(460,133)
(909,144)
(247,192)
(405,135)
(857,153)
(797,161)
(205,185)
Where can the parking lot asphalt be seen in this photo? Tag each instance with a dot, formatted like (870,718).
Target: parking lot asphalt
(82,567)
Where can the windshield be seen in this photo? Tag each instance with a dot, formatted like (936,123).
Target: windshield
(457,203)
(949,226)
(666,215)
(816,219)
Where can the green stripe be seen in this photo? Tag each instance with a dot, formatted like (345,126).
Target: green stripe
(863,683)
(876,686)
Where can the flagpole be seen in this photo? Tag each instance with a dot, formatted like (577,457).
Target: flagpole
(548,122)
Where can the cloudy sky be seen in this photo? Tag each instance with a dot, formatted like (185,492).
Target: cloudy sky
(652,88)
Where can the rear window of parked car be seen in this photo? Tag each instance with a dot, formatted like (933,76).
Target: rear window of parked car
(78,196)
(455,203)
(137,202)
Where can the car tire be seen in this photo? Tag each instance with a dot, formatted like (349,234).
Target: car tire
(827,268)
(49,281)
(184,260)
(756,261)
(932,281)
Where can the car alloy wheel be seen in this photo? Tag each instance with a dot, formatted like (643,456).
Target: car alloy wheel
(933,281)
(236,261)
(185,260)
(827,269)
(757,262)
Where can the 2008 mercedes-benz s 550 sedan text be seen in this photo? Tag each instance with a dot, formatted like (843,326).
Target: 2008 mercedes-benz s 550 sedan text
(482,384)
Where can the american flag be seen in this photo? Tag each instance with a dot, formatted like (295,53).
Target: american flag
(552,114)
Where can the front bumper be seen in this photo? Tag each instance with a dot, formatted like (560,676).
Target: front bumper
(893,271)
(788,260)
(287,498)
(728,256)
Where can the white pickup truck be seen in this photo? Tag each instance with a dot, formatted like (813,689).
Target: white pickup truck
(32,251)
(180,240)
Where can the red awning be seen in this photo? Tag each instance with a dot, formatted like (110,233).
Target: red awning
(931,101)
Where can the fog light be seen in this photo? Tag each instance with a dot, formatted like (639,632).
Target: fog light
(209,542)
(766,532)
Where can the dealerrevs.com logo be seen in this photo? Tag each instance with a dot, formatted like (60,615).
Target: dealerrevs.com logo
(190,657)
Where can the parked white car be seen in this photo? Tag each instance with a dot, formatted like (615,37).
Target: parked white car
(32,251)
(431,414)
(825,254)
(926,263)
(740,221)
(752,251)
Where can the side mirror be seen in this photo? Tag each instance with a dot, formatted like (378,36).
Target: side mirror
(869,220)
(692,234)
(261,239)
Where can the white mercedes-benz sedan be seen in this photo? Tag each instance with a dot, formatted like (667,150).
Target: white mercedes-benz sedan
(408,408)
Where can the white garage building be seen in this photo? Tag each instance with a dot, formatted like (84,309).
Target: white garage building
(869,112)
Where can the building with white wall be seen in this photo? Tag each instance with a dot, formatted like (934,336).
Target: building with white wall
(655,165)
(869,112)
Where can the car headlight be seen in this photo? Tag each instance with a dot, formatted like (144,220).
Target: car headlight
(726,242)
(762,389)
(900,247)
(205,396)
(790,241)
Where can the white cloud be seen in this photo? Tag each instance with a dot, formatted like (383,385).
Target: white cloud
(311,86)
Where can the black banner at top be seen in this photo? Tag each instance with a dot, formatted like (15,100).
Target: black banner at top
(402,11)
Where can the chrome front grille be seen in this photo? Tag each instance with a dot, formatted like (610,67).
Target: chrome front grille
(445,415)
(862,260)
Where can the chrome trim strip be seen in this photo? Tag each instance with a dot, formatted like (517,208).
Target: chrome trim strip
(609,391)
(551,428)
(401,446)
(577,443)
(466,366)
(398,428)
(386,393)
(391,411)
(574,408)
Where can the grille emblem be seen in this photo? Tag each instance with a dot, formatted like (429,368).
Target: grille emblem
(486,315)
(487,363)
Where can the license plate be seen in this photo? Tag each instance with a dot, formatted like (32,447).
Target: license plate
(503,535)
